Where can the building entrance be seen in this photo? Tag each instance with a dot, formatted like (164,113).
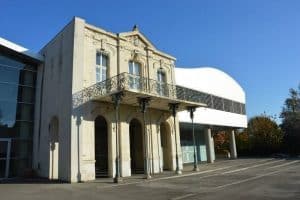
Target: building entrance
(101,147)
(137,153)
(166,143)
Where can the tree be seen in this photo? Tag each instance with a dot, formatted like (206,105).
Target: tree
(242,142)
(221,141)
(265,136)
(291,121)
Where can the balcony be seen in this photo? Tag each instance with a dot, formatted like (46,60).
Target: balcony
(133,87)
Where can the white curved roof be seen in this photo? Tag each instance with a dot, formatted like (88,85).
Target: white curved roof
(210,80)
(216,82)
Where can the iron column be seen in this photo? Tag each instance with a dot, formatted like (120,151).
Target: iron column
(116,98)
(192,110)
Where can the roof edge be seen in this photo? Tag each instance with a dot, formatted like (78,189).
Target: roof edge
(20,49)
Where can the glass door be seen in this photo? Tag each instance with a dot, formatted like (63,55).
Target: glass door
(161,86)
(134,78)
(4,157)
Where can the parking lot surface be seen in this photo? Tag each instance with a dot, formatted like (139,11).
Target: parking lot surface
(227,179)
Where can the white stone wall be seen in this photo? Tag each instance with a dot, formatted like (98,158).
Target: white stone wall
(56,92)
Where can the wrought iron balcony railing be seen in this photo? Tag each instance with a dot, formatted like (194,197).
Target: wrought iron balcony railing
(124,82)
(143,85)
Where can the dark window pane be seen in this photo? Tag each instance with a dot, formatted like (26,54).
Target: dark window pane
(27,78)
(25,112)
(8,132)
(20,148)
(26,94)
(243,109)
(227,105)
(2,168)
(18,166)
(217,103)
(24,129)
(21,129)
(3,149)
(236,107)
(104,60)
(98,57)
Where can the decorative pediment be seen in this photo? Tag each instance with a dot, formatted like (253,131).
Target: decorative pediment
(136,41)
(137,38)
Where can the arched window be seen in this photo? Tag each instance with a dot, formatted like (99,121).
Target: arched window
(101,66)
(135,73)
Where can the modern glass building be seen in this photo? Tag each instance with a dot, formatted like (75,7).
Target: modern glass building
(17,97)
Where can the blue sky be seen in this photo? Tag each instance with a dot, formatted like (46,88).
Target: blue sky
(255,41)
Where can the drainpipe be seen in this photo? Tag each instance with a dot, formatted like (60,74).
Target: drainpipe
(148,67)
(118,53)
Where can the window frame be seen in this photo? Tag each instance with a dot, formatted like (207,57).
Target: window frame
(101,67)
(162,87)
(134,77)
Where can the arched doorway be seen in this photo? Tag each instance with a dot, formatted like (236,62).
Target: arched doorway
(54,148)
(101,147)
(136,147)
(166,143)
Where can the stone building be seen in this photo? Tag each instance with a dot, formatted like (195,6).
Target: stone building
(106,104)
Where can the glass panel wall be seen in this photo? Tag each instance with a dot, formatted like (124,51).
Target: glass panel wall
(17,96)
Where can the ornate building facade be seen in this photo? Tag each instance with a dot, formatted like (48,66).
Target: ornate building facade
(106,105)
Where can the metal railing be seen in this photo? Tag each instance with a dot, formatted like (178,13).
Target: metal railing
(124,82)
(139,84)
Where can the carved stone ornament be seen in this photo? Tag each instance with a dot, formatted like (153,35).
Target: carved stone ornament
(135,55)
(103,44)
(136,41)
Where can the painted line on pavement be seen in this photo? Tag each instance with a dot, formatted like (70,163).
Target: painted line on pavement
(245,168)
(242,181)
(164,178)
(184,175)
(283,164)
(256,177)
(211,170)
(183,196)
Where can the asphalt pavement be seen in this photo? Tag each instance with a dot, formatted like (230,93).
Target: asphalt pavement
(227,179)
